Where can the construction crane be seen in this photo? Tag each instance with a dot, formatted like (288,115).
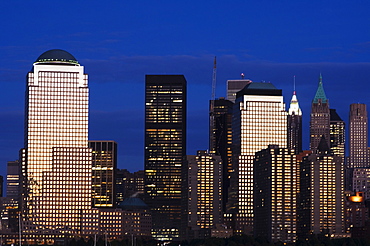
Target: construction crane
(212,106)
(213,84)
(214,79)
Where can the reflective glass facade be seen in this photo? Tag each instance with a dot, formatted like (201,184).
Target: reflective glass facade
(57,163)
(165,148)
(259,119)
(104,165)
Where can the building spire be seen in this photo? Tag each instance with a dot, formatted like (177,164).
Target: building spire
(320,93)
(294,105)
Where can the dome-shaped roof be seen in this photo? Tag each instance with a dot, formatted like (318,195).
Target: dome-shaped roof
(133,203)
(57,56)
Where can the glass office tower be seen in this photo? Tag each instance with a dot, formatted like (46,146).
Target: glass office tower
(165,148)
(56,158)
(104,166)
(259,120)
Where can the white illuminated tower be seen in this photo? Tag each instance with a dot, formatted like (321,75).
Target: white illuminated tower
(295,125)
(259,120)
(56,157)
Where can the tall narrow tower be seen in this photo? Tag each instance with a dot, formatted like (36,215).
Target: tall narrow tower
(358,136)
(165,148)
(337,134)
(259,119)
(57,160)
(221,139)
(104,169)
(275,210)
(320,118)
(321,198)
(203,193)
(295,125)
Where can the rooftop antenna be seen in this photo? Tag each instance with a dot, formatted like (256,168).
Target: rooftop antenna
(294,84)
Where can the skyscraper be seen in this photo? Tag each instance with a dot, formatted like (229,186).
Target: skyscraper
(259,119)
(275,194)
(295,125)
(233,86)
(321,194)
(13,180)
(220,141)
(104,166)
(165,148)
(337,134)
(358,136)
(320,118)
(57,158)
(203,198)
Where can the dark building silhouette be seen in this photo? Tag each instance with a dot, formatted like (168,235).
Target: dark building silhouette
(129,184)
(294,125)
(220,141)
(104,165)
(165,148)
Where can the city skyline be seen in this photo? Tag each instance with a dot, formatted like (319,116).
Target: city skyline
(118,55)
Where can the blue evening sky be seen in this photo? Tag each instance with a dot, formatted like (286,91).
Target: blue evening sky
(118,42)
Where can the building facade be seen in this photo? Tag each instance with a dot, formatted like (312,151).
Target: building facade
(259,120)
(337,134)
(275,194)
(320,118)
(203,201)
(13,180)
(220,141)
(321,194)
(361,181)
(165,148)
(57,160)
(104,166)
(295,125)
(233,86)
(129,184)
(358,136)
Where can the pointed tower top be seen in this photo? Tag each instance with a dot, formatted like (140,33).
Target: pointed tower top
(294,108)
(320,93)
